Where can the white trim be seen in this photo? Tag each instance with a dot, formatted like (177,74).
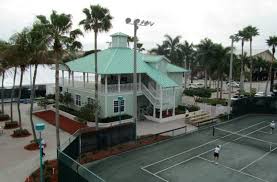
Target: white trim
(119,105)
(118,82)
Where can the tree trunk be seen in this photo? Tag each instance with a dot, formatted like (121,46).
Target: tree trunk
(2,92)
(217,87)
(96,80)
(191,76)
(210,81)
(12,93)
(32,102)
(57,97)
(251,66)
(206,78)
(19,96)
(221,86)
(241,69)
(270,73)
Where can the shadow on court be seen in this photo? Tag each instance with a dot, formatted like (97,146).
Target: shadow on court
(248,154)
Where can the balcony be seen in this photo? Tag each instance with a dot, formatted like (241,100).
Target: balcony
(89,86)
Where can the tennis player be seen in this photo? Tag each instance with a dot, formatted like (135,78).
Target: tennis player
(272,126)
(216,153)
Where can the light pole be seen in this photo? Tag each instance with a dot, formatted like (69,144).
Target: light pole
(40,127)
(233,39)
(136,24)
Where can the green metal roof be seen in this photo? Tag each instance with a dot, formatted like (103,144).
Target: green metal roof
(119,34)
(120,61)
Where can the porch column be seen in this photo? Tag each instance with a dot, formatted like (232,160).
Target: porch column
(87,77)
(63,76)
(154,111)
(84,79)
(106,84)
(140,82)
(118,81)
(72,78)
(69,78)
(161,102)
(174,101)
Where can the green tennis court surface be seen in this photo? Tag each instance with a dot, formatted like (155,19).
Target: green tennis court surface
(248,154)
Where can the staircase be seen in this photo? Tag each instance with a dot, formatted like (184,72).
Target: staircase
(153,97)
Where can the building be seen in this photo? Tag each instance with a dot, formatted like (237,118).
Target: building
(159,88)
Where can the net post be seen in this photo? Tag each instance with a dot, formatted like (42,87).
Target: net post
(213,130)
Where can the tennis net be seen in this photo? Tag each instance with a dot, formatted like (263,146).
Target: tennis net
(235,137)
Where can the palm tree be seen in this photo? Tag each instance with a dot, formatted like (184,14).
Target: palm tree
(187,54)
(98,19)
(23,53)
(4,46)
(39,55)
(172,45)
(205,56)
(243,36)
(251,32)
(271,42)
(139,47)
(160,50)
(61,38)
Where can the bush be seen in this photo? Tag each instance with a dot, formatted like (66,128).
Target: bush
(68,110)
(87,113)
(114,118)
(181,109)
(200,92)
(11,125)
(4,117)
(213,102)
(50,96)
(20,133)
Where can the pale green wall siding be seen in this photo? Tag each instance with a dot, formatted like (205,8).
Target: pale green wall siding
(128,97)
(177,77)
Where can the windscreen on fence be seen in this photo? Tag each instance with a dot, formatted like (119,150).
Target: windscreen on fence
(255,105)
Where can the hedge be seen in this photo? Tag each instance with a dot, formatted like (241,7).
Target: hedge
(212,102)
(200,92)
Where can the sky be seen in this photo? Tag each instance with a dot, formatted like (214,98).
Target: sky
(194,20)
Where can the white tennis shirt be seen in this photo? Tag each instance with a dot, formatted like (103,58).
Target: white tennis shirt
(272,125)
(216,150)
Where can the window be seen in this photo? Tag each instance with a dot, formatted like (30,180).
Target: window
(78,100)
(90,100)
(116,106)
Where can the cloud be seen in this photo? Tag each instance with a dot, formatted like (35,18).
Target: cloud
(193,20)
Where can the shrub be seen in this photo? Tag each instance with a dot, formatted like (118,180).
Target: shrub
(200,92)
(87,113)
(50,96)
(4,117)
(11,125)
(68,110)
(181,109)
(20,133)
(114,118)
(43,103)
(212,102)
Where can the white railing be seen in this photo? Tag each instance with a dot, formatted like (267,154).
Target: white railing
(112,88)
(148,94)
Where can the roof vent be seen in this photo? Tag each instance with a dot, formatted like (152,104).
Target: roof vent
(119,40)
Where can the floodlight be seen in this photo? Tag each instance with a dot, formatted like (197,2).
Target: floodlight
(151,23)
(128,20)
(142,22)
(136,21)
(146,23)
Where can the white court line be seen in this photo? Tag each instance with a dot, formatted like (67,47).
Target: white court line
(235,170)
(177,164)
(260,158)
(265,132)
(186,151)
(155,175)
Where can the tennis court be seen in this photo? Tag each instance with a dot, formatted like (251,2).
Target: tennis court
(248,154)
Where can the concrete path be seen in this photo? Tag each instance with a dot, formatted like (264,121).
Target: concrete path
(15,162)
